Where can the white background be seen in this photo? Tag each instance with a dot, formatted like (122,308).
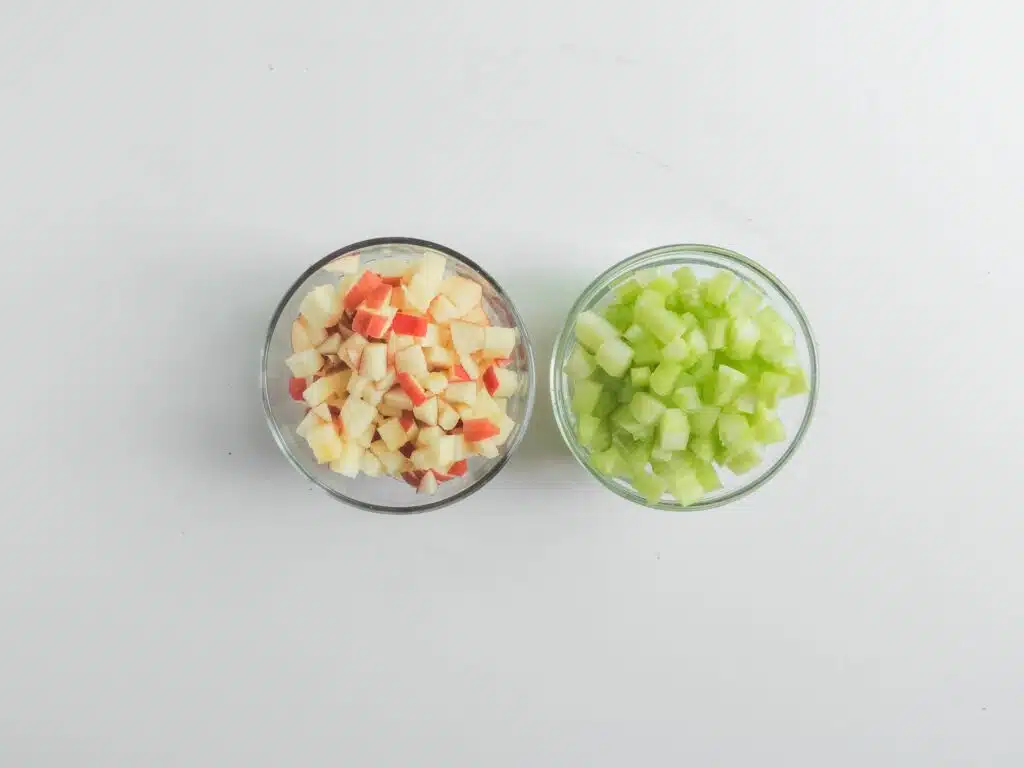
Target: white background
(172,593)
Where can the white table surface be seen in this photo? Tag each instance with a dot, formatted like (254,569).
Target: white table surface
(172,593)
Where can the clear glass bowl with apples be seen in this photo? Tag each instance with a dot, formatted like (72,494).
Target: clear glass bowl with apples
(414,356)
(685,378)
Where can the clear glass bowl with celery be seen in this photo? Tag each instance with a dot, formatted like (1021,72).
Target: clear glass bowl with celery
(685,377)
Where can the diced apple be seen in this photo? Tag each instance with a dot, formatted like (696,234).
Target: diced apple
(373,396)
(502,403)
(330,345)
(305,363)
(458,373)
(393,434)
(321,389)
(486,448)
(390,268)
(435,382)
(439,358)
(398,300)
(296,386)
(413,477)
(352,349)
(373,323)
(432,337)
(309,421)
(367,282)
(429,436)
(458,468)
(490,379)
(396,397)
(387,382)
(432,265)
(426,411)
(374,362)
(461,392)
(508,383)
(485,408)
(505,427)
(469,365)
(300,336)
(388,411)
(499,342)
(393,462)
(477,316)
(370,465)
(412,388)
(410,325)
(377,447)
(467,339)
(365,438)
(447,418)
(443,310)
(419,293)
(464,410)
(321,307)
(428,484)
(378,297)
(356,416)
(408,422)
(323,411)
(344,265)
(358,384)
(462,448)
(420,458)
(478,429)
(412,362)
(325,442)
(350,460)
(463,293)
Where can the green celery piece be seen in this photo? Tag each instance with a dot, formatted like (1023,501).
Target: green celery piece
(606,403)
(692,300)
(716,289)
(704,368)
(773,327)
(697,341)
(607,382)
(623,419)
(608,462)
(703,420)
(734,431)
(580,365)
(798,384)
(638,455)
(647,301)
(686,398)
(627,292)
(716,330)
(767,427)
(601,440)
(677,350)
(702,447)
(674,303)
(586,426)
(744,300)
(686,488)
(639,377)
(614,357)
(744,461)
(635,334)
(647,352)
(663,284)
(664,325)
(592,330)
(727,384)
(659,455)
(685,279)
(651,487)
(771,387)
(663,380)
(645,408)
(744,402)
(690,321)
(619,315)
(744,334)
(707,476)
(774,353)
(673,430)
(626,392)
(585,396)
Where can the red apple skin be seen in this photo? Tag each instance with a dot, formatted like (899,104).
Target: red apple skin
(393,280)
(296,387)
(412,388)
(479,429)
(407,420)
(409,325)
(490,380)
(358,292)
(376,298)
(459,468)
(413,478)
(459,374)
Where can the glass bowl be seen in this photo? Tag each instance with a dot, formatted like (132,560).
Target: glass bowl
(386,494)
(795,412)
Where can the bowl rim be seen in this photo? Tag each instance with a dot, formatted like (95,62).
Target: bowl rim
(492,468)
(562,348)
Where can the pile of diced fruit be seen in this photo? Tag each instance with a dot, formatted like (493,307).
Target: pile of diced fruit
(402,372)
(678,377)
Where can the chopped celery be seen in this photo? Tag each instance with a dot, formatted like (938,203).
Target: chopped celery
(774,353)
(716,329)
(744,402)
(690,321)
(614,357)
(651,487)
(774,328)
(706,476)
(767,427)
(727,384)
(601,439)
(704,368)
(606,403)
(744,300)
(581,364)
(647,302)
(703,420)
(716,290)
(771,387)
(743,461)
(635,334)
(638,455)
(646,409)
(627,292)
(586,426)
(673,430)
(624,419)
(665,325)
(663,380)
(620,316)
(744,334)
(608,462)
(660,455)
(697,342)
(639,377)
(733,430)
(592,330)
(676,349)
(585,395)
(647,352)
(663,284)
(625,393)
(686,397)
(687,489)
(797,382)
(685,279)
(703,448)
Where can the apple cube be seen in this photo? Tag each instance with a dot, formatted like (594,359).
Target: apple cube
(356,416)
(344,265)
(396,397)
(393,434)
(470,368)
(412,361)
(374,362)
(426,411)
(368,281)
(321,389)
(352,349)
(309,421)
(410,325)
(447,417)
(325,442)
(435,383)
(420,458)
(432,266)
(486,448)
(394,462)
(477,316)
(499,342)
(386,411)
(358,384)
(428,484)
(461,392)
(305,363)
(412,388)
(429,436)
(377,298)
(432,336)
(508,383)
(505,428)
(463,293)
(321,307)
(387,382)
(484,407)
(323,411)
(490,379)
(300,336)
(398,300)
(366,436)
(443,310)
(373,323)
(458,468)
(370,465)
(478,429)
(348,463)
(372,395)
(466,338)
(458,373)
(390,268)
(420,293)
(330,345)
(439,357)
